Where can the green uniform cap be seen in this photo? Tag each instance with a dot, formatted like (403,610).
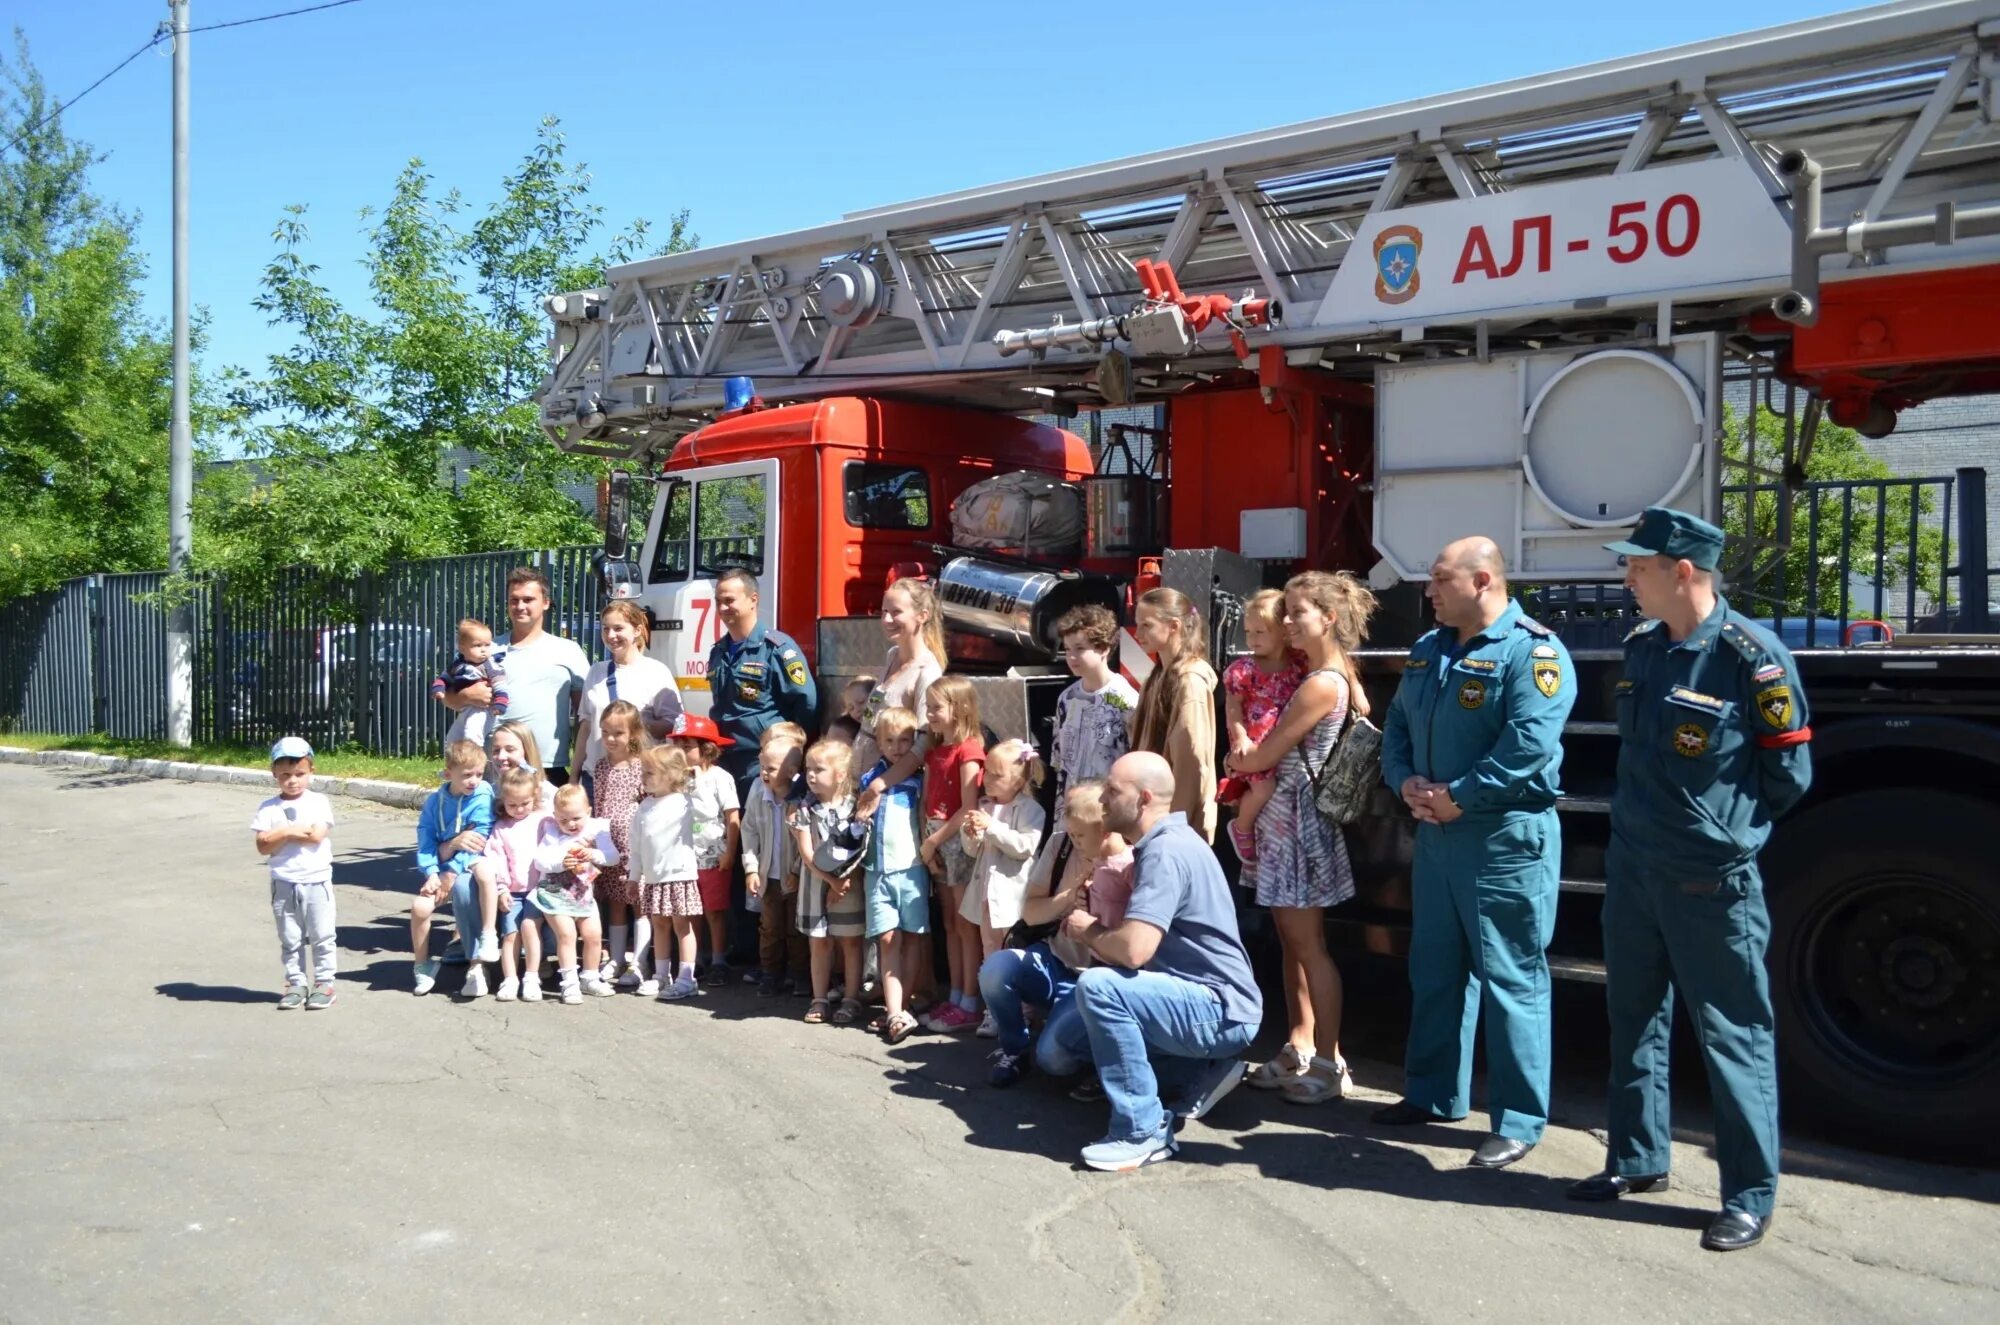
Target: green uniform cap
(1664,532)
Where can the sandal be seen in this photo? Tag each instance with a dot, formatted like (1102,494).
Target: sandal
(1285,1065)
(878,1024)
(1324,1079)
(899,1028)
(845,1015)
(816,1012)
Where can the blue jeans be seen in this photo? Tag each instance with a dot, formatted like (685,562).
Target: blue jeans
(1135,1017)
(1013,977)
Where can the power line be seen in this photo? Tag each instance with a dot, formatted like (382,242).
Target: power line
(161,35)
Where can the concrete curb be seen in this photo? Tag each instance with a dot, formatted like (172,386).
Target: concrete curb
(398,794)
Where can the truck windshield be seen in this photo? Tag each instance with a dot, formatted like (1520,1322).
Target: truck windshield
(670,556)
(729,524)
(886,496)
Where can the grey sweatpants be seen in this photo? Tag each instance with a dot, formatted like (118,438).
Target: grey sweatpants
(304,912)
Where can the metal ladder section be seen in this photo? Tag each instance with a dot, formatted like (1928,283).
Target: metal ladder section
(1897,102)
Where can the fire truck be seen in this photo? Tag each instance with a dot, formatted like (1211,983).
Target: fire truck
(1528,310)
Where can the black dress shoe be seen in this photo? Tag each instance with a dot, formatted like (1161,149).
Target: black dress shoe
(1497,1152)
(1732,1230)
(1608,1186)
(1405,1114)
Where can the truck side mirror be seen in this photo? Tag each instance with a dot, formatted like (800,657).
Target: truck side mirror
(617,515)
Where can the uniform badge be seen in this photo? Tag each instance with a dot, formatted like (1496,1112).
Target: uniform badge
(1415,664)
(1544,651)
(1774,672)
(1471,694)
(1690,740)
(1486,665)
(795,671)
(1775,703)
(1625,685)
(1548,678)
(749,691)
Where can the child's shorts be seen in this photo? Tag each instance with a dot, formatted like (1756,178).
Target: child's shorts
(512,913)
(899,900)
(952,855)
(714,889)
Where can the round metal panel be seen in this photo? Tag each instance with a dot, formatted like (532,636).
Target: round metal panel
(1611,434)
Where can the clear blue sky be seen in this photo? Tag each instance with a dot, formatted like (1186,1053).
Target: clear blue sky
(758,117)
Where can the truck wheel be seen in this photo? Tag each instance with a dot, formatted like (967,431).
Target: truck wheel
(1885,970)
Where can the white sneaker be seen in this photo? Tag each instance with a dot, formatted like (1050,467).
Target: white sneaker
(510,989)
(989,1029)
(475,981)
(648,988)
(531,988)
(678,990)
(489,947)
(630,978)
(571,992)
(597,987)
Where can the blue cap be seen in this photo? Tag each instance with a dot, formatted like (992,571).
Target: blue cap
(1668,533)
(291,747)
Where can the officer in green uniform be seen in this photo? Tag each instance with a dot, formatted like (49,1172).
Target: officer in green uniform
(1472,744)
(1713,734)
(756,677)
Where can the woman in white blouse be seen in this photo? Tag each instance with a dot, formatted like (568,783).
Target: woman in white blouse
(628,674)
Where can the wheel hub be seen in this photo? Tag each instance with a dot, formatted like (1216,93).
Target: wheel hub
(1921,972)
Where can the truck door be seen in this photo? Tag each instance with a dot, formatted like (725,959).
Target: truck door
(705,521)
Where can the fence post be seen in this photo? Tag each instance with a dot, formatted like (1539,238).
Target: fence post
(94,658)
(363,671)
(1973,618)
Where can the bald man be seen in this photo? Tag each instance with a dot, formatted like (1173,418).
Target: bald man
(1172,1005)
(1472,744)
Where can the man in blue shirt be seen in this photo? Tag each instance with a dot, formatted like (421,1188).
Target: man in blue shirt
(1472,744)
(1174,1004)
(756,677)
(1712,747)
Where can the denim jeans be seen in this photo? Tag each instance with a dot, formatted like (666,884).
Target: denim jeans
(1134,1018)
(1013,977)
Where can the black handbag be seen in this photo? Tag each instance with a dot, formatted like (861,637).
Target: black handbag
(1344,786)
(1021,934)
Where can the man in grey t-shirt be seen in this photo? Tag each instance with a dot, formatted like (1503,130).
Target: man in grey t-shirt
(1175,985)
(545,673)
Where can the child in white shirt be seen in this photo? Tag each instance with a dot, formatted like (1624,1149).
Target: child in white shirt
(663,865)
(1002,836)
(292,829)
(573,848)
(718,829)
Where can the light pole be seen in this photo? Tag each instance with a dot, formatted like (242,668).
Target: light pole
(180,454)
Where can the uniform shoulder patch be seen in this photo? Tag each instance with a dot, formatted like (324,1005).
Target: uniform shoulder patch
(1642,628)
(1544,651)
(795,667)
(1769,672)
(1775,704)
(1548,676)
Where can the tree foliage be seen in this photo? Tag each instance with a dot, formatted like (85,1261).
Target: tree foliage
(405,428)
(1806,574)
(85,389)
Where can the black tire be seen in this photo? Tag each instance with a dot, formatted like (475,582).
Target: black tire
(1885,970)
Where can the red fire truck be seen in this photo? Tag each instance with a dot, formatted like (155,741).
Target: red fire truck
(1528,310)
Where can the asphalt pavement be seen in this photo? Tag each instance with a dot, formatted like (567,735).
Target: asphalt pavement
(177,1149)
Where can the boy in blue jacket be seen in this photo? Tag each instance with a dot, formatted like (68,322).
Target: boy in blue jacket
(451,834)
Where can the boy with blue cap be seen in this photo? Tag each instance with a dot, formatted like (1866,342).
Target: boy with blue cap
(1713,735)
(292,829)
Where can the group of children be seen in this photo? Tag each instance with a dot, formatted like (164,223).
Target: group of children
(840,863)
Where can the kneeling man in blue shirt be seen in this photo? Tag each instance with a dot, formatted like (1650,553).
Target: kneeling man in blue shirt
(1173,1005)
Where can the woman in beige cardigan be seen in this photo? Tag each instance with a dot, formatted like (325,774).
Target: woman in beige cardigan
(1176,713)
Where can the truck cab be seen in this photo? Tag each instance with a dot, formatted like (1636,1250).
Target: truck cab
(823,502)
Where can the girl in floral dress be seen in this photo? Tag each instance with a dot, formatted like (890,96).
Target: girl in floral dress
(1258,688)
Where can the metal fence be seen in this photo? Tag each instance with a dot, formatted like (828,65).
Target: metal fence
(344,663)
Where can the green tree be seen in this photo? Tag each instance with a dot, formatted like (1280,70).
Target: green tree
(1803,574)
(85,389)
(406,428)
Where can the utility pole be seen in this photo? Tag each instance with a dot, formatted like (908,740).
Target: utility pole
(180,454)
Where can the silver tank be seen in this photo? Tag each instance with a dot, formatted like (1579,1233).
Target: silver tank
(1010,611)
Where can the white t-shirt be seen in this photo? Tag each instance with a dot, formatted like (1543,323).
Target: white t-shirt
(540,678)
(646,682)
(712,795)
(298,862)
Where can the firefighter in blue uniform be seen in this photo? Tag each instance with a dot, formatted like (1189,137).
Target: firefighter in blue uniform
(1713,734)
(1473,743)
(756,677)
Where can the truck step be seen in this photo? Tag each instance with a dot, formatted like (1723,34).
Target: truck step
(1590,728)
(1584,804)
(1582,886)
(1577,968)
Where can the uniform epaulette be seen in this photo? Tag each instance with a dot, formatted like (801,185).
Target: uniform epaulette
(1742,641)
(1533,627)
(1641,629)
